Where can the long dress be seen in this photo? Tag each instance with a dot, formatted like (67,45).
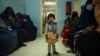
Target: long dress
(65,31)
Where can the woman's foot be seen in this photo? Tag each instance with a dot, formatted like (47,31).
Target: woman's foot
(48,54)
(70,51)
(56,53)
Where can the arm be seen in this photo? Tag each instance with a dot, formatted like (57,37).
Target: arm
(68,28)
(62,33)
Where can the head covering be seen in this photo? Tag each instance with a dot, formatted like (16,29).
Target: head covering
(18,16)
(8,10)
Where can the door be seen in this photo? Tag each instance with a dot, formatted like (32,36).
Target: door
(47,6)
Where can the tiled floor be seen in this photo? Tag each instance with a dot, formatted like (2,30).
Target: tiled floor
(39,48)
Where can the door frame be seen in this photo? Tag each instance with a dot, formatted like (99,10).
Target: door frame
(77,6)
(41,16)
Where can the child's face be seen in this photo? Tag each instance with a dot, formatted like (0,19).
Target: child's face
(51,18)
(67,22)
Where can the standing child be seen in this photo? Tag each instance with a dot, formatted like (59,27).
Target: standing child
(51,34)
(65,31)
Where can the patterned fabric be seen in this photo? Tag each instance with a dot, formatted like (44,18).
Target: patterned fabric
(52,27)
(65,31)
(51,38)
(51,32)
(76,35)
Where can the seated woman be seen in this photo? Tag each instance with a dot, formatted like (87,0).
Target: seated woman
(8,39)
(26,23)
(89,43)
(9,18)
(86,17)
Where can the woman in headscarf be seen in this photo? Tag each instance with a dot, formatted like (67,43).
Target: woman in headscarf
(8,39)
(9,18)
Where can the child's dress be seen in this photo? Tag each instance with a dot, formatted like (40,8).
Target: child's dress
(51,33)
(65,31)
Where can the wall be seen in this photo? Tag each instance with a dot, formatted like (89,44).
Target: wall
(82,2)
(61,11)
(61,16)
(33,9)
(17,5)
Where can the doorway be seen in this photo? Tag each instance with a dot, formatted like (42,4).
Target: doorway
(47,6)
(77,6)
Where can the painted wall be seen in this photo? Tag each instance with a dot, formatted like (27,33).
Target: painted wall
(61,16)
(17,5)
(33,9)
(82,2)
(61,11)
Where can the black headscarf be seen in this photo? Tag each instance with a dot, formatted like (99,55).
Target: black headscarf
(8,10)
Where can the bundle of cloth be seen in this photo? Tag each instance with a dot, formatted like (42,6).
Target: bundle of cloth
(27,25)
(8,39)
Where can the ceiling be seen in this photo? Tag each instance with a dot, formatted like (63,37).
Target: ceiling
(49,0)
(49,4)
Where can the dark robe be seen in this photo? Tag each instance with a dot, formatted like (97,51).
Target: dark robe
(88,44)
(8,38)
(86,18)
(14,24)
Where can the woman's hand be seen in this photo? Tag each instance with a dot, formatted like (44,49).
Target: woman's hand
(9,28)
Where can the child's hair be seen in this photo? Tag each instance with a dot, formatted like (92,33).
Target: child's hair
(51,15)
(68,20)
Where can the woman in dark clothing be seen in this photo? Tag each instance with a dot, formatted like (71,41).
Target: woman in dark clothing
(9,18)
(8,39)
(73,29)
(89,43)
(75,18)
(26,23)
(86,17)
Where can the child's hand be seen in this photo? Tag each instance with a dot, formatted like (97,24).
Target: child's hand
(62,33)
(66,30)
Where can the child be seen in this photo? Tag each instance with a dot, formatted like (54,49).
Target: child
(51,34)
(65,31)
